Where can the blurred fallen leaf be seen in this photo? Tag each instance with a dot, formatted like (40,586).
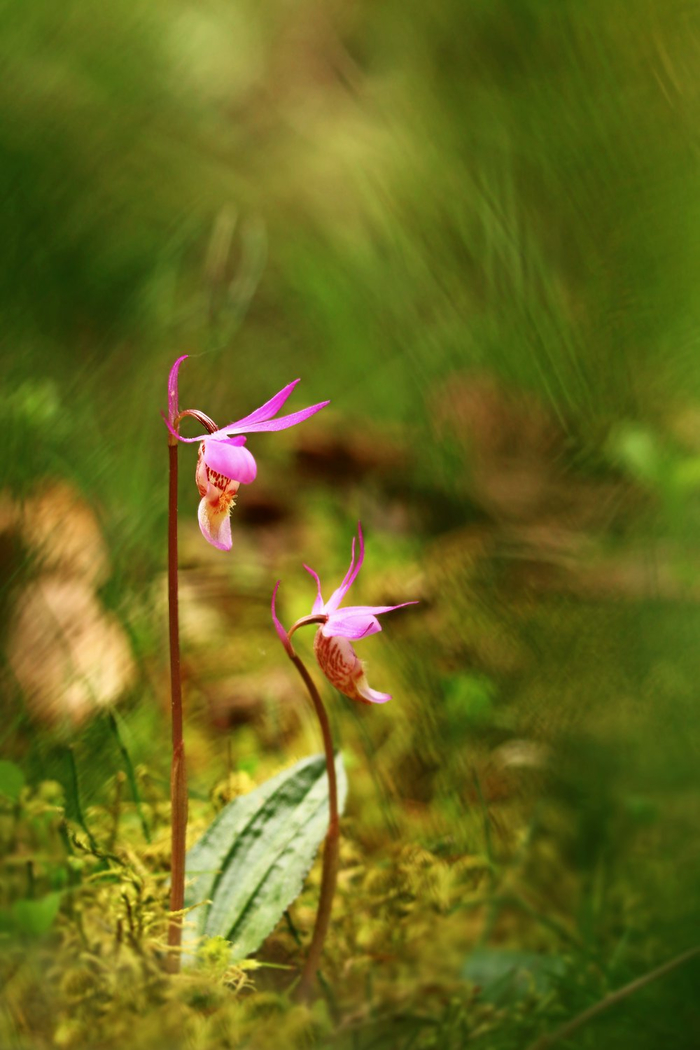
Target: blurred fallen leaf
(68,655)
(62,529)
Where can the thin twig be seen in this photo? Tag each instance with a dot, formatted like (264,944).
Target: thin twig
(131,774)
(572,1026)
(79,816)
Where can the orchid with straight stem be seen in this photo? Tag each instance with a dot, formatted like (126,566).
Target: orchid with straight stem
(337,627)
(223,465)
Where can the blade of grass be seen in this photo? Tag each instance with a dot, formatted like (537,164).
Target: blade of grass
(130,773)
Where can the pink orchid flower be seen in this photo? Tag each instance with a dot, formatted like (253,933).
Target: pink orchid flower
(332,645)
(223,463)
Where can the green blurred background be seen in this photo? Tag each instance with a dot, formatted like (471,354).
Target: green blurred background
(475,227)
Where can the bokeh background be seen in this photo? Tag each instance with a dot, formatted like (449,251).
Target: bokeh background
(475,227)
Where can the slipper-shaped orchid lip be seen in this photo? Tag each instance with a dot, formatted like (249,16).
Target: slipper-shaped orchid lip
(230,461)
(344,669)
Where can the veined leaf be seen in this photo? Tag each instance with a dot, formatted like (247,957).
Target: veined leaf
(251,863)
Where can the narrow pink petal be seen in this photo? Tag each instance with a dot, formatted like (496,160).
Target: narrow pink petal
(272,424)
(339,593)
(375,610)
(317,607)
(355,625)
(173,404)
(267,410)
(215,525)
(283,636)
(350,576)
(230,459)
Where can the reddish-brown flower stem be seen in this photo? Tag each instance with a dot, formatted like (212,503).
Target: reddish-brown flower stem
(330,850)
(178,778)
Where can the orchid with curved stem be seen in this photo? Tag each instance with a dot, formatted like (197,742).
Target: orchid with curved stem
(337,660)
(223,463)
(338,627)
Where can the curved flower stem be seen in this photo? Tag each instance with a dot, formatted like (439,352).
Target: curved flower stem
(330,851)
(178,776)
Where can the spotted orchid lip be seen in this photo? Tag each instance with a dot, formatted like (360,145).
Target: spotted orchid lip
(208,479)
(343,669)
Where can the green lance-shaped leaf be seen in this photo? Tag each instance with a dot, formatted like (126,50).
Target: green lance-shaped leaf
(251,863)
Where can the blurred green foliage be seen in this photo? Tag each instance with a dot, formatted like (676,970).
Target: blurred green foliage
(475,227)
